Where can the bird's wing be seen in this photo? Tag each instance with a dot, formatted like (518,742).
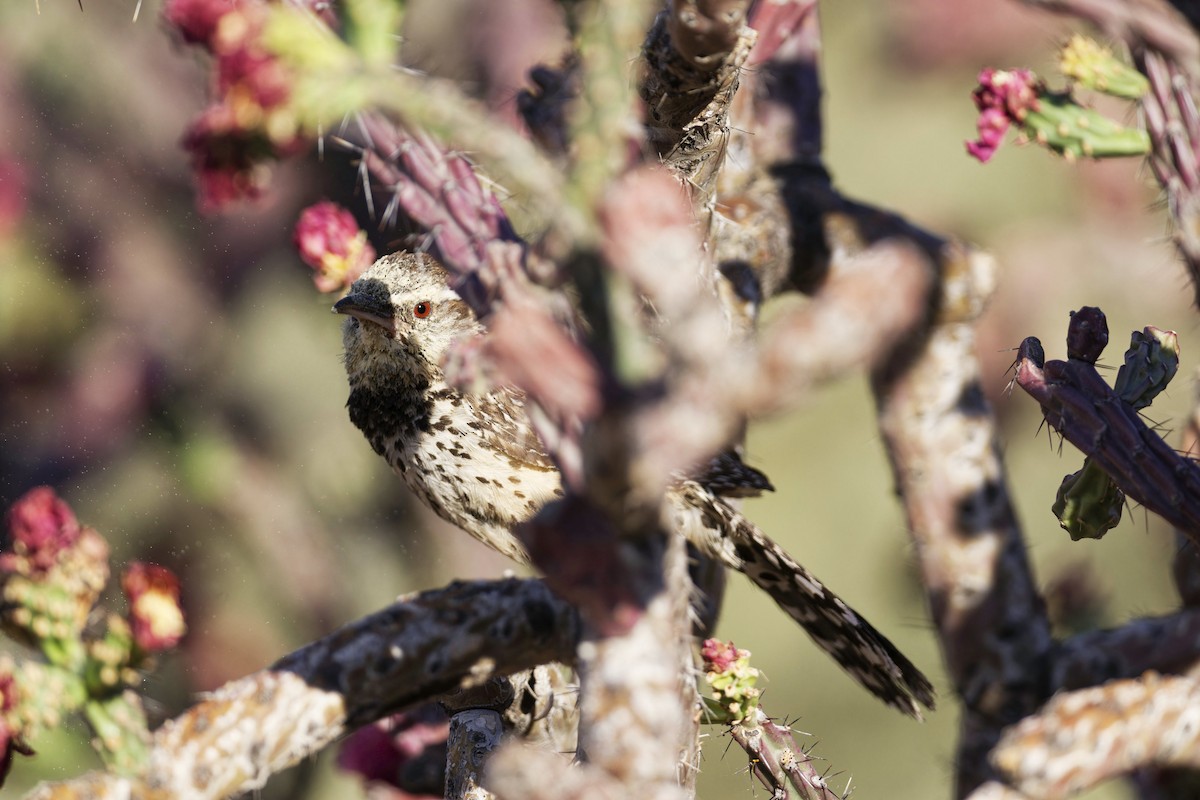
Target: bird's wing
(510,432)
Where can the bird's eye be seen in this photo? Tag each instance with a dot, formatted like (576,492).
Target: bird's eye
(421,310)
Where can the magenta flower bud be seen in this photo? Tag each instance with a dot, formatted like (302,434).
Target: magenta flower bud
(1003,97)
(154,613)
(40,527)
(329,240)
(253,76)
(1013,91)
(196,20)
(718,656)
(992,124)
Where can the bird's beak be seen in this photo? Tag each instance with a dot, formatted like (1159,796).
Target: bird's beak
(368,309)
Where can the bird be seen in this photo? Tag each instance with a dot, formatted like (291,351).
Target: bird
(476,461)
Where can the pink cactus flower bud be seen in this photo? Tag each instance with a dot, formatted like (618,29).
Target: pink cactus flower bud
(1003,97)
(253,76)
(1014,91)
(330,241)
(41,526)
(196,20)
(718,656)
(154,612)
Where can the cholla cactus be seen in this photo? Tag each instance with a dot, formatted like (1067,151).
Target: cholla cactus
(51,581)
(1018,98)
(1089,503)
(52,577)
(250,122)
(1150,363)
(728,673)
(1095,67)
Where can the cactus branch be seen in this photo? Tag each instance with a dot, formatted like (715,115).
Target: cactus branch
(778,760)
(1166,51)
(990,620)
(1078,404)
(1082,738)
(235,738)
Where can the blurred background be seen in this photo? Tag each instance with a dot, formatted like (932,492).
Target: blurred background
(176,377)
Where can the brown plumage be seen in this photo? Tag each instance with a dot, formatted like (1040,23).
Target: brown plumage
(475,460)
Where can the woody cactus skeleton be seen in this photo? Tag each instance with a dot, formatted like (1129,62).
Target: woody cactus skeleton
(706,240)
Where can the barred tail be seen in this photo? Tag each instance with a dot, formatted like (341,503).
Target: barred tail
(720,531)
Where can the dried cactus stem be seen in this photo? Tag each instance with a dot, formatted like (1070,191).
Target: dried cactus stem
(778,760)
(688,103)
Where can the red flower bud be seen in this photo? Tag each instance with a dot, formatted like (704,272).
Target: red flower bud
(1002,97)
(154,612)
(718,656)
(40,527)
(330,241)
(254,76)
(197,20)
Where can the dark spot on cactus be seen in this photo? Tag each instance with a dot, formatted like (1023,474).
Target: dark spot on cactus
(540,616)
(743,279)
(975,512)
(972,402)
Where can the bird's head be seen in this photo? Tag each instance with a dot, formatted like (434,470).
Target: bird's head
(402,315)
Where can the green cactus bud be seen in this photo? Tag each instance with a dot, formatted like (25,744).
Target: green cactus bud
(45,615)
(122,735)
(1089,64)
(1150,363)
(372,26)
(1088,504)
(109,656)
(732,679)
(1062,125)
(41,695)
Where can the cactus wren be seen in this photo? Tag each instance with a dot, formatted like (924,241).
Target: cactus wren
(475,460)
